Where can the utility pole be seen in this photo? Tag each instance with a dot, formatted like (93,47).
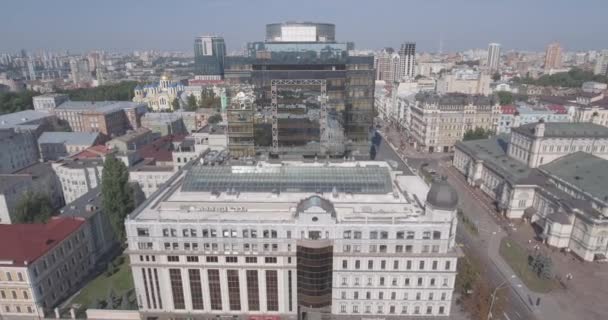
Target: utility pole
(500,286)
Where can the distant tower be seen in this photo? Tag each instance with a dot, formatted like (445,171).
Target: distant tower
(209,54)
(553,56)
(407,63)
(493,57)
(601,64)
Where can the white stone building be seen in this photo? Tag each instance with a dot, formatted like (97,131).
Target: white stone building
(349,240)
(465,81)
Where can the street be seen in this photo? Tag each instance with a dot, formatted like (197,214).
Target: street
(514,308)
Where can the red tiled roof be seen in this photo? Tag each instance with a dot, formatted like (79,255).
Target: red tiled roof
(24,243)
(97,151)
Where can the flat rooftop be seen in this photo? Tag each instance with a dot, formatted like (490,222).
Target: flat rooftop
(98,106)
(566,130)
(21,118)
(70,138)
(586,171)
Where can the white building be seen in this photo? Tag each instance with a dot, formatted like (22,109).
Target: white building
(49,101)
(465,81)
(78,176)
(407,60)
(287,240)
(493,60)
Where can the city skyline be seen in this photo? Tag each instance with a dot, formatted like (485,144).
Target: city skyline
(110,25)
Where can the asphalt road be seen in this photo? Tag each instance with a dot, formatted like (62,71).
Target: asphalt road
(514,307)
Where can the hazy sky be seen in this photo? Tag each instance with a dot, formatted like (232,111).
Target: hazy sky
(80,25)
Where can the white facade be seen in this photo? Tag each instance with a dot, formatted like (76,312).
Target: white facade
(465,81)
(493,60)
(78,177)
(380,253)
(407,60)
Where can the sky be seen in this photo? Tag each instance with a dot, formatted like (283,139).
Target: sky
(82,25)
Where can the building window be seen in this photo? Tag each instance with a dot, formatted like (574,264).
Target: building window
(215,289)
(253,294)
(232,259)
(177,289)
(344,264)
(192,259)
(421,265)
(270,259)
(196,289)
(211,259)
(234,296)
(272,295)
(370,264)
(251,260)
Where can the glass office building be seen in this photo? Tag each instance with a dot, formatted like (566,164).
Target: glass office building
(311,97)
(209,54)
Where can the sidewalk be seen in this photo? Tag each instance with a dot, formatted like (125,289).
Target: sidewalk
(493,234)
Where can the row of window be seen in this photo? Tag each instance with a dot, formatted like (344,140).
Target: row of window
(216,259)
(273,234)
(373,248)
(392,309)
(396,265)
(407,282)
(18,309)
(14,295)
(393,296)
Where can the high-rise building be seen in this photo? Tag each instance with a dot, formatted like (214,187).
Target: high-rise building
(387,65)
(493,60)
(330,241)
(601,64)
(553,56)
(209,54)
(309,97)
(407,62)
(80,71)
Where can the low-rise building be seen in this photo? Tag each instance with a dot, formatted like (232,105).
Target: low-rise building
(512,116)
(133,140)
(49,101)
(89,207)
(54,145)
(437,122)
(150,177)
(19,149)
(110,118)
(164,123)
(538,143)
(465,81)
(78,176)
(42,264)
(333,240)
(565,198)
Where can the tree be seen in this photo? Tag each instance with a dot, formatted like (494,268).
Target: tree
(191,103)
(16,101)
(117,195)
(477,134)
(209,100)
(572,79)
(478,302)
(216,118)
(119,91)
(496,76)
(504,97)
(33,208)
(175,104)
(372,152)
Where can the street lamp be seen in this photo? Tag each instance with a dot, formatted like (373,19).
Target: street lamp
(500,286)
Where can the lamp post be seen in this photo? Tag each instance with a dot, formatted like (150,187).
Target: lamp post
(500,286)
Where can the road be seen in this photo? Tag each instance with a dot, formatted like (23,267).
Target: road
(514,307)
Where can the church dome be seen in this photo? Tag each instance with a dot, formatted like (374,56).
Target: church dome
(165,76)
(442,195)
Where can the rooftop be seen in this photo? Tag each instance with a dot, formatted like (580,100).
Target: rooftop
(369,179)
(493,152)
(93,152)
(85,206)
(98,106)
(22,244)
(160,149)
(70,138)
(583,170)
(455,99)
(566,130)
(10,120)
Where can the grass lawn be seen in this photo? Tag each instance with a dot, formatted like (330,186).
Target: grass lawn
(99,287)
(517,257)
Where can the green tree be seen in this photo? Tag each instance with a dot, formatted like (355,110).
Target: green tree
(476,134)
(191,104)
(117,194)
(175,104)
(216,118)
(504,97)
(118,91)
(16,101)
(572,79)
(33,208)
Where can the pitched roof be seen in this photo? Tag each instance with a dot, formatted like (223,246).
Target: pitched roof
(566,129)
(22,244)
(70,138)
(98,151)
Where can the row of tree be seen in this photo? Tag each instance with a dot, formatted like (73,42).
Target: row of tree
(477,134)
(208,100)
(571,79)
(16,101)
(119,91)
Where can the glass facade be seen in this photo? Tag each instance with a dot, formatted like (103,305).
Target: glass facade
(215,289)
(177,289)
(196,289)
(234,295)
(253,291)
(209,54)
(314,276)
(311,99)
(272,291)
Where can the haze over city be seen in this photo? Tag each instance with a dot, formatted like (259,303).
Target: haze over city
(170,25)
